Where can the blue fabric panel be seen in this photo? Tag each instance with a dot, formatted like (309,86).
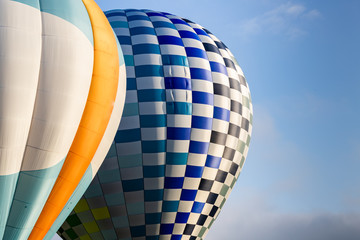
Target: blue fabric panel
(195,52)
(137,17)
(146,48)
(133,185)
(200,32)
(213,162)
(7,190)
(203,98)
(174,182)
(138,231)
(188,34)
(166,228)
(170,40)
(179,108)
(119,24)
(199,147)
(75,197)
(176,158)
(115,12)
(130,82)
(178,133)
(72,11)
(130,109)
(197,207)
(153,121)
(27,206)
(32,3)
(142,30)
(109,176)
(201,122)
(161,24)
(218,67)
(154,171)
(120,222)
(153,146)
(124,40)
(153,218)
(152,95)
(170,206)
(222,114)
(177,83)
(131,135)
(179,21)
(152,238)
(115,199)
(94,190)
(176,237)
(175,60)
(151,14)
(153,195)
(149,71)
(188,195)
(199,73)
(194,171)
(182,217)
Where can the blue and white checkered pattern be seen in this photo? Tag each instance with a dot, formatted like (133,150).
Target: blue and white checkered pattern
(183,138)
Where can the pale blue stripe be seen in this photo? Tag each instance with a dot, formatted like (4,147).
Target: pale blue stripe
(74,199)
(7,189)
(32,3)
(32,191)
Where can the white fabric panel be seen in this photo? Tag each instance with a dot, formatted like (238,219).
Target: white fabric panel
(114,122)
(147,59)
(144,38)
(64,82)
(20,52)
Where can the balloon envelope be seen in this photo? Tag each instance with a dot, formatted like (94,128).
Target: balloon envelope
(55,107)
(182,140)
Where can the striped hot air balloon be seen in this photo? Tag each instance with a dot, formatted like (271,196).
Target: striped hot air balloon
(182,140)
(62,89)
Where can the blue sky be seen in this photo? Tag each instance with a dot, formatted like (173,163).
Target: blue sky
(301,59)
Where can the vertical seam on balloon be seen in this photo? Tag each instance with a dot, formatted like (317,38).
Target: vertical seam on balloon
(166,122)
(228,96)
(212,115)
(138,108)
(237,137)
(40,231)
(17,181)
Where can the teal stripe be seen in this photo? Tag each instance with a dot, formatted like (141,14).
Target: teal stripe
(176,158)
(130,109)
(179,108)
(129,60)
(175,60)
(32,191)
(129,161)
(120,53)
(72,11)
(32,3)
(7,189)
(153,146)
(74,199)
(149,71)
(149,121)
(152,95)
(119,24)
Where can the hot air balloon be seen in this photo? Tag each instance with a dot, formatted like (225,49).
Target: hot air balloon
(183,137)
(62,89)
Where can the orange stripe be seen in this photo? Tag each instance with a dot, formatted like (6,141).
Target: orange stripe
(93,123)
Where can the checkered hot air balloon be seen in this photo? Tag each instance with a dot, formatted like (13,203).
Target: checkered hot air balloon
(62,88)
(182,140)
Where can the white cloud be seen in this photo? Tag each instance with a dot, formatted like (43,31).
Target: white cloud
(286,19)
(252,218)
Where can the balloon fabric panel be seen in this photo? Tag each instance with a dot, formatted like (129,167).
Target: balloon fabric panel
(183,138)
(46,66)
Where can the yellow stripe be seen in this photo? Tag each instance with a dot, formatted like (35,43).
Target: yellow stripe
(94,121)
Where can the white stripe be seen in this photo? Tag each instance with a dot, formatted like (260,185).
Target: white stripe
(64,82)
(20,54)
